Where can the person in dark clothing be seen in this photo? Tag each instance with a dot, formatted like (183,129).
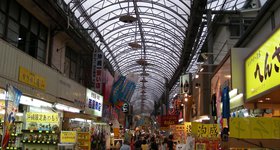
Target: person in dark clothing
(138,144)
(170,142)
(154,145)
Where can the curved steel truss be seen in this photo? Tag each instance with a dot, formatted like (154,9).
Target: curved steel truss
(161,29)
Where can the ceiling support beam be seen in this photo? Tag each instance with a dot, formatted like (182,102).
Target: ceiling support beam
(197,9)
(140,27)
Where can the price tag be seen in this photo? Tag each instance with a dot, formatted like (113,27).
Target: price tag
(29,141)
(48,142)
(16,134)
(31,130)
(43,142)
(34,141)
(38,141)
(53,131)
(40,131)
(23,141)
(47,131)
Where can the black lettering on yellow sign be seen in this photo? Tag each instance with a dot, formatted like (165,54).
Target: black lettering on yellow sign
(268,66)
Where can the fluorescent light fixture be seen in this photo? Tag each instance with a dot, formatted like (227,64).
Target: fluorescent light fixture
(25,100)
(78,119)
(227,76)
(19,114)
(201,118)
(232,93)
(245,112)
(3,95)
(267,99)
(181,120)
(236,98)
(67,108)
(2,112)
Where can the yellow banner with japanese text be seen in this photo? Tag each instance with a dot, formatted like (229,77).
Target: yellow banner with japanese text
(68,137)
(31,78)
(208,131)
(255,128)
(42,117)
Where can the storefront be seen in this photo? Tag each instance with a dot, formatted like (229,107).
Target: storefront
(262,77)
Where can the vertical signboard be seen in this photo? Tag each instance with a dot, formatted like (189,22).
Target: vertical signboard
(97,67)
(94,104)
(11,108)
(184,84)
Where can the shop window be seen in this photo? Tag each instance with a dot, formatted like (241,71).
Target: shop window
(43,33)
(32,45)
(41,55)
(24,19)
(14,9)
(73,65)
(34,26)
(238,26)
(3,5)
(13,32)
(246,23)
(22,30)
(67,66)
(22,39)
(2,23)
(234,27)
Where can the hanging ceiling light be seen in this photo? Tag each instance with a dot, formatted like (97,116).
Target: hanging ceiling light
(134,45)
(144,74)
(143,80)
(142,62)
(128,18)
(143,91)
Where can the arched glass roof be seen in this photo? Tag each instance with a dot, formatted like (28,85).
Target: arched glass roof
(160,28)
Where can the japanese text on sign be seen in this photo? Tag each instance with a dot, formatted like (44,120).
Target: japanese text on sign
(255,128)
(42,117)
(31,78)
(68,136)
(208,131)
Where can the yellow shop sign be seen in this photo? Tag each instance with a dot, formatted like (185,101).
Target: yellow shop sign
(262,68)
(68,137)
(42,117)
(31,78)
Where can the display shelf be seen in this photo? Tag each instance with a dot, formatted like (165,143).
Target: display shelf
(39,131)
(14,122)
(39,142)
(15,148)
(16,134)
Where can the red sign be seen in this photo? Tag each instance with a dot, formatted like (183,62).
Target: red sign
(108,81)
(166,121)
